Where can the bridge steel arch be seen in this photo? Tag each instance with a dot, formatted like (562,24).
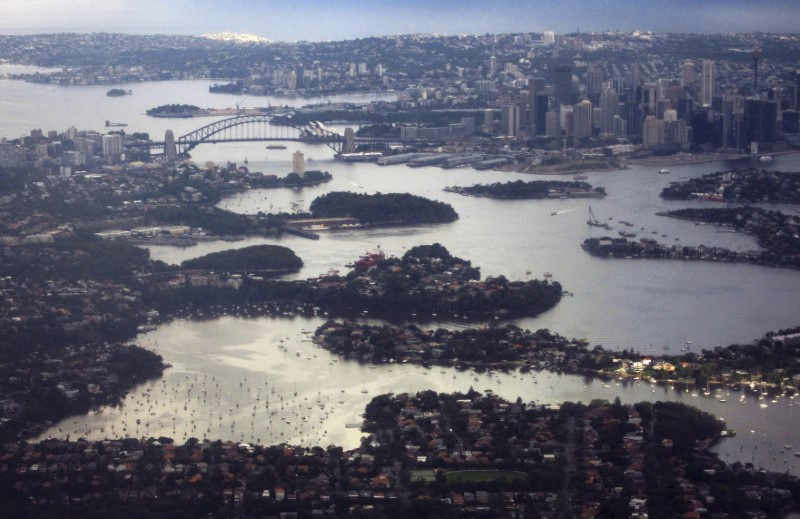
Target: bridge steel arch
(256,128)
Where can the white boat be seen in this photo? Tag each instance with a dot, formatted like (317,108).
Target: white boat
(765,158)
(663,171)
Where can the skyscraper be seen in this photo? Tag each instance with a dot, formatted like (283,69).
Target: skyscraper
(563,90)
(594,81)
(542,102)
(582,116)
(609,107)
(535,86)
(649,98)
(759,118)
(298,163)
(708,83)
(687,74)
(488,120)
(510,120)
(652,131)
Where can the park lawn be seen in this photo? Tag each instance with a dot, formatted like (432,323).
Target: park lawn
(484,475)
(426,475)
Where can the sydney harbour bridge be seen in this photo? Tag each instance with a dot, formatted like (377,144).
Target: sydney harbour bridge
(247,128)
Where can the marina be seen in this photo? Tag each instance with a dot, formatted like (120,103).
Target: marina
(247,379)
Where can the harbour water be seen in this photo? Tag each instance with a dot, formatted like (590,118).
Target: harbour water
(225,370)
(263,380)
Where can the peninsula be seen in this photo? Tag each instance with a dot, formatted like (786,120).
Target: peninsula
(739,186)
(772,361)
(776,233)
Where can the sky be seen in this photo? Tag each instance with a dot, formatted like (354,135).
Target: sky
(320,20)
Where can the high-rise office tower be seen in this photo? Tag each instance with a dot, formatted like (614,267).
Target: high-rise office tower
(582,117)
(488,120)
(552,123)
(634,76)
(535,86)
(563,89)
(510,120)
(727,117)
(649,98)
(566,116)
(688,76)
(652,131)
(797,90)
(548,38)
(632,113)
(609,107)
(542,104)
(759,118)
(620,127)
(594,80)
(708,83)
(756,57)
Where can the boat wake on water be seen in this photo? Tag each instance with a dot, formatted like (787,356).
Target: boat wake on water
(564,211)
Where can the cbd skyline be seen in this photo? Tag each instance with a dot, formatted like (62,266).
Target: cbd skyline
(348,19)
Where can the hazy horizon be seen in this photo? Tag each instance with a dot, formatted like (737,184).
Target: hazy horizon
(349,19)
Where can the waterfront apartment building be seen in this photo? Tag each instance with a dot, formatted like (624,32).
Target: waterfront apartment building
(298,163)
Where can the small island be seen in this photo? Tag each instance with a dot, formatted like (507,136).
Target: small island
(118,92)
(176,110)
(739,186)
(234,87)
(535,189)
(382,209)
(257,259)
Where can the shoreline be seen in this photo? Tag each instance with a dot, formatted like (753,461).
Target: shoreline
(671,160)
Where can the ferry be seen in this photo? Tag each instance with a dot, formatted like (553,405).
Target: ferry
(579,177)
(765,158)
(276,147)
(664,171)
